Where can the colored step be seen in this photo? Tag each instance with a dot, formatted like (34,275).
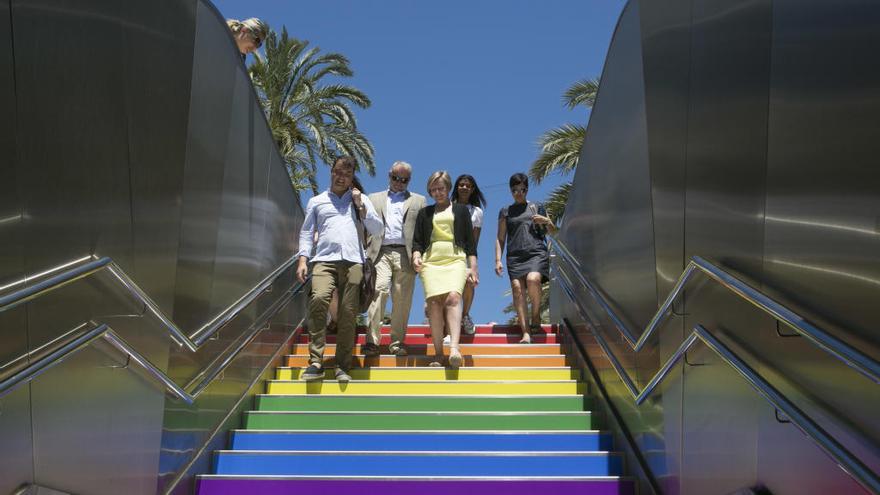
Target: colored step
(424,339)
(362,361)
(535,441)
(238,485)
(416,420)
(466,349)
(418,403)
(465,373)
(480,329)
(424,388)
(318,463)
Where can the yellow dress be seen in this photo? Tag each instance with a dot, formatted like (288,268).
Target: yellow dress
(444,269)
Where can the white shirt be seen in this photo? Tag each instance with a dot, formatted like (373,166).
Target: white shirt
(394,218)
(476,216)
(332,217)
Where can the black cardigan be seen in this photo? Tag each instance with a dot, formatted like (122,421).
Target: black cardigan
(462,229)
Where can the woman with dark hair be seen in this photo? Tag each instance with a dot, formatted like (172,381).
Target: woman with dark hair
(523,226)
(444,236)
(466,192)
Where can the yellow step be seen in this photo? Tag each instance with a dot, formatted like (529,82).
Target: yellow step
(374,387)
(424,373)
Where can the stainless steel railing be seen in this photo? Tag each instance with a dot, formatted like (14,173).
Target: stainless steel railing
(102,331)
(853,358)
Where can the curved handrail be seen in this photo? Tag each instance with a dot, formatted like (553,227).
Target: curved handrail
(192,343)
(844,352)
(851,464)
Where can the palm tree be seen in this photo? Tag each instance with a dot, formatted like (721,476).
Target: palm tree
(310,119)
(561,147)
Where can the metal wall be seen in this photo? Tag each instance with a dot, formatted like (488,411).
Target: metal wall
(132,131)
(742,132)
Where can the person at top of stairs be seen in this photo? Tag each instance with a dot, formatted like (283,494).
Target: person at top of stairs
(444,233)
(523,226)
(337,263)
(391,251)
(467,192)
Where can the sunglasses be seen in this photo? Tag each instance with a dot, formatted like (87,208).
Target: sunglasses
(402,180)
(518,190)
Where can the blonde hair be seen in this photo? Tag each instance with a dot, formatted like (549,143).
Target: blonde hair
(255,26)
(440,175)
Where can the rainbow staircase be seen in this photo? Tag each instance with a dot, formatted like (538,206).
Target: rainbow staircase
(511,421)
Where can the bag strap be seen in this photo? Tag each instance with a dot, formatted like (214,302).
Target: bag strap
(360,232)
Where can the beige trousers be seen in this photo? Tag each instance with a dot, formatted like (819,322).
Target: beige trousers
(394,277)
(346,277)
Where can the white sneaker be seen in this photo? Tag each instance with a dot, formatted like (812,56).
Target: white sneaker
(467,325)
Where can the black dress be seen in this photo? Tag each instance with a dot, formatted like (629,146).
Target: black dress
(526,243)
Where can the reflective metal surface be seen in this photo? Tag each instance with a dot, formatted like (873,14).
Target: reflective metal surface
(133,132)
(759,147)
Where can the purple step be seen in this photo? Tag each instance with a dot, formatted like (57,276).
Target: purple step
(238,485)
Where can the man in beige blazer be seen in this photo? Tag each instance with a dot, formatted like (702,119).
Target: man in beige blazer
(391,251)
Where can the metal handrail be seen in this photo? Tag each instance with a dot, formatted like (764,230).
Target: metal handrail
(844,352)
(104,331)
(191,342)
(851,464)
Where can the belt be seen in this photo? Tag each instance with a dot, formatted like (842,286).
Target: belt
(393,246)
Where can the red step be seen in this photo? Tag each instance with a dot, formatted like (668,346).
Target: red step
(421,339)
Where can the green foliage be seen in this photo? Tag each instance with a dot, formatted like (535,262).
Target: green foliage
(561,147)
(310,119)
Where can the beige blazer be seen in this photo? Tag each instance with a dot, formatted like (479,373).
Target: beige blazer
(414,202)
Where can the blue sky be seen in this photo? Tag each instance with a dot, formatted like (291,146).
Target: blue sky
(465,86)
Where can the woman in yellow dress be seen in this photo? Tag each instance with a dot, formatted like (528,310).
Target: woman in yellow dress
(445,236)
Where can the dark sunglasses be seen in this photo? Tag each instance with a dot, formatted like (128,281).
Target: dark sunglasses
(402,180)
(519,190)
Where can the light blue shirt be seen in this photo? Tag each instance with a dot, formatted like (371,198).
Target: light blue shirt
(394,218)
(332,218)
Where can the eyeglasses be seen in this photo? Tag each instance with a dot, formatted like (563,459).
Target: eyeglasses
(402,180)
(519,190)
(257,41)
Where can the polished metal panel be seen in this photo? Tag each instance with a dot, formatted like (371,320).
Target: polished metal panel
(136,136)
(759,145)
(609,227)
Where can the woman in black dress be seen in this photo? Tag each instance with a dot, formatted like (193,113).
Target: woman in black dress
(523,226)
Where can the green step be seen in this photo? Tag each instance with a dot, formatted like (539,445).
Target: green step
(418,421)
(420,403)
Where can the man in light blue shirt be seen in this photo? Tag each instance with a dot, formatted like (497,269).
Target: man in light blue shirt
(336,265)
(391,251)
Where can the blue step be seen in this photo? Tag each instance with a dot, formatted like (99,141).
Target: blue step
(314,463)
(587,441)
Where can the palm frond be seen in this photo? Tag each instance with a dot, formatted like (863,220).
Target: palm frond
(556,201)
(582,92)
(560,150)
